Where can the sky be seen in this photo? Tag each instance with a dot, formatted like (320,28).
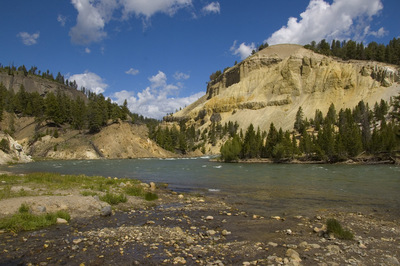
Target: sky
(159,54)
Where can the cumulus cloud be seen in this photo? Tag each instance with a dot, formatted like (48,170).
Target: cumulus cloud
(181,76)
(149,8)
(91,20)
(321,20)
(29,39)
(93,15)
(243,50)
(90,81)
(132,71)
(87,50)
(156,100)
(213,7)
(62,20)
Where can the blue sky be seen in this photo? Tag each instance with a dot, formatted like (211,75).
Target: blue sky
(159,54)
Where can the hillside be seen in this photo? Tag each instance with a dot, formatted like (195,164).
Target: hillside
(51,120)
(270,86)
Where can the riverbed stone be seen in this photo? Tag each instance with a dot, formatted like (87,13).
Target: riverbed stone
(106,211)
(293,255)
(61,221)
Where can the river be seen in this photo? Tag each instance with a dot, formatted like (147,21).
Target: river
(265,189)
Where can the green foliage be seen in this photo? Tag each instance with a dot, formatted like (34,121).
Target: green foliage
(134,191)
(334,227)
(150,196)
(231,150)
(5,145)
(25,221)
(113,199)
(389,53)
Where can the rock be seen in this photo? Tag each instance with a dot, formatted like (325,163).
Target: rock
(289,232)
(106,211)
(209,218)
(41,209)
(211,232)
(314,246)
(334,249)
(152,186)
(225,232)
(292,255)
(179,260)
(272,244)
(392,261)
(275,217)
(303,245)
(61,221)
(189,240)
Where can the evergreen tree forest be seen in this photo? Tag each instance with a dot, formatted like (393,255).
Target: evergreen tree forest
(335,137)
(346,50)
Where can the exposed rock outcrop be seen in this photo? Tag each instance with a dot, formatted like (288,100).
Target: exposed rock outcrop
(11,151)
(272,84)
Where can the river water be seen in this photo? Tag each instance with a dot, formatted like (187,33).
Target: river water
(265,189)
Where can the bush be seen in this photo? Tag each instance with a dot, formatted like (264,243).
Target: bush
(5,145)
(334,227)
(24,208)
(113,199)
(150,196)
(134,191)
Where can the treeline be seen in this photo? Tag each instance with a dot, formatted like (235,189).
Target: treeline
(183,140)
(59,78)
(346,50)
(90,113)
(331,138)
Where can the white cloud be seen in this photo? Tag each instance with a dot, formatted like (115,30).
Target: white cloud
(91,20)
(148,8)
(132,72)
(157,100)
(321,20)
(243,50)
(61,19)
(90,81)
(213,7)
(181,76)
(87,50)
(29,39)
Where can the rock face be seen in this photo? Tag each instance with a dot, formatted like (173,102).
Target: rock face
(15,152)
(271,85)
(36,84)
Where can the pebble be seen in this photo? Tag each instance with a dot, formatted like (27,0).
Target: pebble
(179,260)
(209,218)
(293,255)
(272,244)
(276,217)
(225,232)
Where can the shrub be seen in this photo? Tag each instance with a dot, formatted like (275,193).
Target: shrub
(150,196)
(334,227)
(24,208)
(113,199)
(134,191)
(5,145)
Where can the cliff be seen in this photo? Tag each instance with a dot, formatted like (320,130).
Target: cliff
(272,84)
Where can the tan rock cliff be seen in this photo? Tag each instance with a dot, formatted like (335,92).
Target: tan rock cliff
(271,85)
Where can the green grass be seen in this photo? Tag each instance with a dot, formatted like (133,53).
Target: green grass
(137,191)
(333,226)
(88,193)
(26,221)
(113,199)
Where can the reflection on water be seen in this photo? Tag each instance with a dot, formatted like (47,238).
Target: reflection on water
(266,189)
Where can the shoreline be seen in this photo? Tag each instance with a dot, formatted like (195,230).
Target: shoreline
(197,230)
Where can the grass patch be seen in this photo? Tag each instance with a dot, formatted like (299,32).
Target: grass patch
(134,191)
(150,196)
(113,199)
(26,221)
(88,193)
(334,227)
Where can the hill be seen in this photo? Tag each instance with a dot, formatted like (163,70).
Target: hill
(270,86)
(48,119)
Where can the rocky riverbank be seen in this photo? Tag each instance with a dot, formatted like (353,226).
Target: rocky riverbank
(196,230)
